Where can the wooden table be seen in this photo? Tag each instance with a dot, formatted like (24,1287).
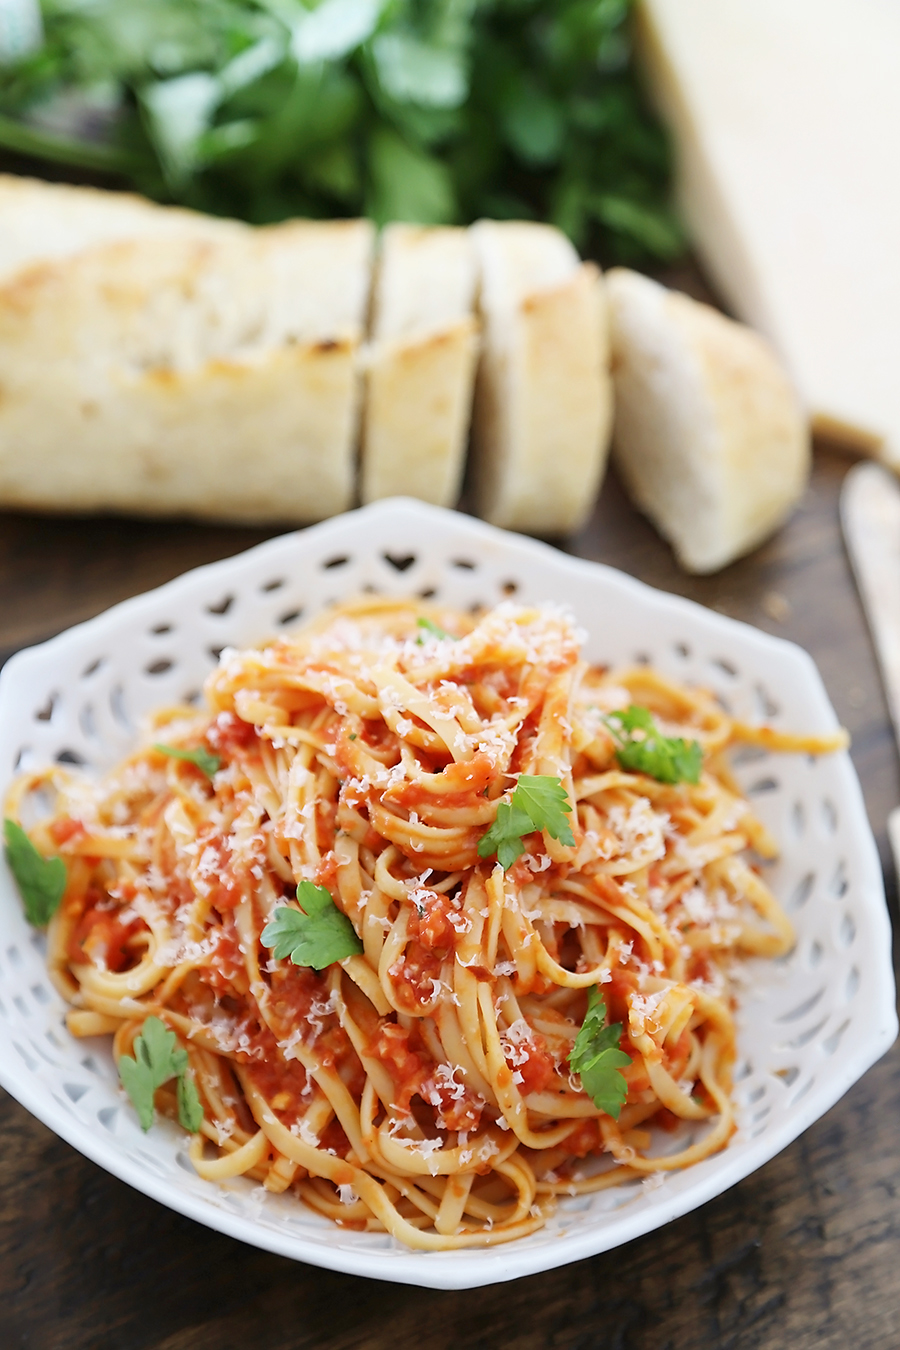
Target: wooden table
(800,1255)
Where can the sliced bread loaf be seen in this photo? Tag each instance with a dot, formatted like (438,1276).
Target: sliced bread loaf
(42,222)
(206,374)
(420,365)
(543,401)
(710,438)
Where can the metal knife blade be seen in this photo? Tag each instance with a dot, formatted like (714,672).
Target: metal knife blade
(870,516)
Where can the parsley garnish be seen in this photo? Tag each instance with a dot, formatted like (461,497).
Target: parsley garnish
(542,97)
(668,759)
(317,936)
(158,1058)
(190,1112)
(538,803)
(41,881)
(433,630)
(201,758)
(597,1059)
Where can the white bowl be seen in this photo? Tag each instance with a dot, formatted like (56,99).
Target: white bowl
(809,1024)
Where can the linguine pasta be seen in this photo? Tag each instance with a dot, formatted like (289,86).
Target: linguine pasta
(421,1085)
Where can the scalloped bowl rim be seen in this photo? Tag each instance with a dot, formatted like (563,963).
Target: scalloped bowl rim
(475,1267)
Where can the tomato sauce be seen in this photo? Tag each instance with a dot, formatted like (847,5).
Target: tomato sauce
(294,991)
(534,1062)
(102,937)
(334,1140)
(231,736)
(408,1067)
(430,924)
(416,976)
(226,891)
(65,829)
(226,971)
(457,1107)
(584,1139)
(283,1082)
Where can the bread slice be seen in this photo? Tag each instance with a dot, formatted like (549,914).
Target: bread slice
(710,438)
(543,399)
(420,365)
(41,222)
(212,376)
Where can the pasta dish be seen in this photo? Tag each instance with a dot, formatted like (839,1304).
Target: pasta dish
(423,918)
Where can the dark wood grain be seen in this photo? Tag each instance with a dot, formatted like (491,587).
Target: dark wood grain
(804,1254)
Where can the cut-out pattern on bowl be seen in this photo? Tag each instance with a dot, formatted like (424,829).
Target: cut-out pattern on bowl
(809,1024)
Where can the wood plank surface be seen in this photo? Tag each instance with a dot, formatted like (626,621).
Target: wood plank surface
(804,1254)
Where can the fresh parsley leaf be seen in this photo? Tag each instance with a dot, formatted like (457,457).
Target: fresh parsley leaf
(407,182)
(137,1079)
(533,123)
(544,798)
(505,835)
(411,71)
(157,1058)
(660,232)
(202,758)
(317,936)
(641,747)
(433,630)
(41,881)
(539,802)
(438,112)
(190,1111)
(597,1059)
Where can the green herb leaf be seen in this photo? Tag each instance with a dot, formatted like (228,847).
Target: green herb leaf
(533,124)
(539,802)
(505,835)
(657,231)
(41,881)
(201,758)
(433,630)
(596,1058)
(157,1058)
(179,113)
(333,29)
(412,71)
(190,1111)
(407,183)
(545,800)
(138,1082)
(641,747)
(440,111)
(317,936)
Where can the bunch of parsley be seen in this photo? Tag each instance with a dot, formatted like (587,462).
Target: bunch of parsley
(428,110)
